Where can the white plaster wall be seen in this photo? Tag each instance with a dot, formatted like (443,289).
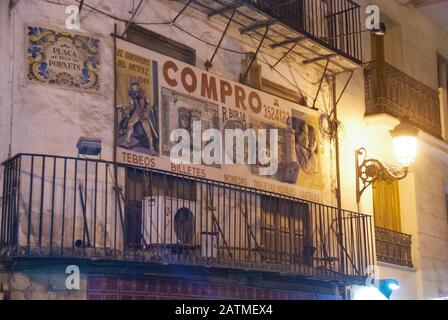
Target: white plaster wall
(431,185)
(5,89)
(49,120)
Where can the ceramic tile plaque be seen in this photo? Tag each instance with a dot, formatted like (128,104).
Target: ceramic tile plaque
(63,59)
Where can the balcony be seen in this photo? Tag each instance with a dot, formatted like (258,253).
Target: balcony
(393,247)
(388,90)
(314,30)
(91,209)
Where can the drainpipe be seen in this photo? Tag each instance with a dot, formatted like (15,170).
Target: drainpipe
(114,156)
(338,174)
(11,75)
(336,141)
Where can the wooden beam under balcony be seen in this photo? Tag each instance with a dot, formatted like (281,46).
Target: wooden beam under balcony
(224,9)
(302,34)
(257,25)
(287,41)
(317,59)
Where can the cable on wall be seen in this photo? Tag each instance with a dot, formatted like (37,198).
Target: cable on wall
(142,23)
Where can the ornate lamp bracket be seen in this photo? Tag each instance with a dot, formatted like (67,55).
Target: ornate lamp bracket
(370,170)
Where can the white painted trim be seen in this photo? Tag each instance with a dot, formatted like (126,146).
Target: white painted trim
(381,119)
(394,266)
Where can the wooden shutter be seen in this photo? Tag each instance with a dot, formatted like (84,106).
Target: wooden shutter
(386,204)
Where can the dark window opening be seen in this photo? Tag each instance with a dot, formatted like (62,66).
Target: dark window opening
(141,184)
(161,44)
(286,234)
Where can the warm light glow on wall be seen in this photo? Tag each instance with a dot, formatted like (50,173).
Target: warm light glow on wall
(405,148)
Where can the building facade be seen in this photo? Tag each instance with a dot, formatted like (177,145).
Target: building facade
(89,184)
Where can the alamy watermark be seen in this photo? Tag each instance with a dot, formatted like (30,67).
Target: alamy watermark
(374,19)
(250,146)
(72,282)
(73,21)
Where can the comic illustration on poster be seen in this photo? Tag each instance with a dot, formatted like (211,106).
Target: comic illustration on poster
(137,104)
(157,95)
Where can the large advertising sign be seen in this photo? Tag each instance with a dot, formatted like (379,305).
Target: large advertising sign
(157,95)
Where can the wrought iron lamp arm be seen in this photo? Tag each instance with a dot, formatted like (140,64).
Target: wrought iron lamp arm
(370,170)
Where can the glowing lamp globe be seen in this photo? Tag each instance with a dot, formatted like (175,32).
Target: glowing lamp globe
(404,139)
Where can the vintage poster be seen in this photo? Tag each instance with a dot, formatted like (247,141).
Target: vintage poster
(181,111)
(138,103)
(157,94)
(63,59)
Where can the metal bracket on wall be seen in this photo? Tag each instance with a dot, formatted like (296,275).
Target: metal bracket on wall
(326,57)
(320,84)
(81,3)
(181,11)
(257,25)
(209,63)
(255,54)
(84,215)
(134,13)
(342,92)
(370,170)
(296,42)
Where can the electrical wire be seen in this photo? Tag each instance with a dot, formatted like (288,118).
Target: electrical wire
(159,23)
(101,12)
(209,43)
(195,37)
(301,92)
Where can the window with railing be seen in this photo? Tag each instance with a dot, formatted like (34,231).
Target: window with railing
(393,247)
(334,23)
(285,229)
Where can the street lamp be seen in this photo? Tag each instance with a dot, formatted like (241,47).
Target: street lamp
(404,140)
(381,31)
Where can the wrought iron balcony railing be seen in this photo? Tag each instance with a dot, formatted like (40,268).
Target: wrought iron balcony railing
(334,23)
(388,90)
(393,247)
(316,31)
(82,208)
